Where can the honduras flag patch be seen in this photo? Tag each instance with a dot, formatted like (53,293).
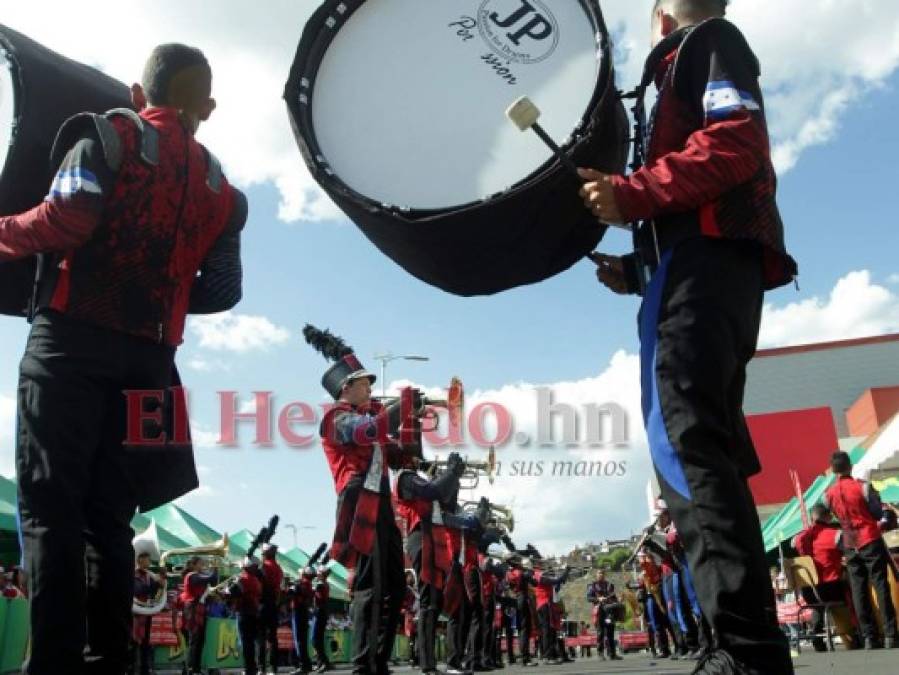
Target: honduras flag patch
(722,98)
(70,182)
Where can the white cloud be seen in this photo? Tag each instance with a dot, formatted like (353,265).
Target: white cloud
(203,365)
(555,512)
(202,492)
(816,63)
(237,332)
(893,279)
(7,435)
(856,307)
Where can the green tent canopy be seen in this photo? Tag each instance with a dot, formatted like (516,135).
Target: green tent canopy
(888,489)
(183,525)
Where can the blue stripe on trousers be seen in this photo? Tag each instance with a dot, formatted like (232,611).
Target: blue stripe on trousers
(664,456)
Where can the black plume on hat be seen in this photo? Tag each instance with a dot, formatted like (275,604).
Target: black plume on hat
(329,345)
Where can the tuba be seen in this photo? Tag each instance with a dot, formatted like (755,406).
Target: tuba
(217,549)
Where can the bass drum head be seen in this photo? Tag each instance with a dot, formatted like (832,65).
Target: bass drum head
(408,104)
(7,108)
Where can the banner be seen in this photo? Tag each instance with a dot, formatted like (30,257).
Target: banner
(222,648)
(13,634)
(162,631)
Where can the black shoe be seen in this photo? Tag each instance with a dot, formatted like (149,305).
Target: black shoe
(615,657)
(718,662)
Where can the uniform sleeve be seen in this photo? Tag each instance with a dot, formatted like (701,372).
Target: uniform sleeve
(219,286)
(728,149)
(70,212)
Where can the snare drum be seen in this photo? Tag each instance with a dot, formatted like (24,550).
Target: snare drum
(39,90)
(398,109)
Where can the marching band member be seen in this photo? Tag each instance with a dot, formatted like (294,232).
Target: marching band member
(857,506)
(121,256)
(146,585)
(709,243)
(196,581)
(489,572)
(8,589)
(821,541)
(462,599)
(272,580)
(508,607)
(409,612)
(520,581)
(654,606)
(301,604)
(355,436)
(426,505)
(246,592)
(601,593)
(322,594)
(546,590)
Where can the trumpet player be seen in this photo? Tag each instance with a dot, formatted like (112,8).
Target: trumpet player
(425,504)
(601,593)
(196,581)
(355,437)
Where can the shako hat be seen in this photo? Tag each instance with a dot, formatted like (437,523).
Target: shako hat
(347,366)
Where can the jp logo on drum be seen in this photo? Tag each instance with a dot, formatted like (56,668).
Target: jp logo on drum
(524,31)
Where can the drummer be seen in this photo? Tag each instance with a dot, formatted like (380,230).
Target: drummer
(109,314)
(710,243)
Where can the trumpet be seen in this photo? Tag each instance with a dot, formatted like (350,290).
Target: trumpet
(453,404)
(218,549)
(473,470)
(502,515)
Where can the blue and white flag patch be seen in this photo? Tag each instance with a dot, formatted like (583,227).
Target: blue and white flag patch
(69,182)
(722,98)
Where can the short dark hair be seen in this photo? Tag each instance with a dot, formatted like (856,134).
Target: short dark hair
(162,84)
(820,512)
(695,10)
(143,554)
(840,462)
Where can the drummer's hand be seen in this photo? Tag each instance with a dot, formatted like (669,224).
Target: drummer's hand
(610,272)
(598,194)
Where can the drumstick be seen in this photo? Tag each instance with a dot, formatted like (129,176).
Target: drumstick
(524,114)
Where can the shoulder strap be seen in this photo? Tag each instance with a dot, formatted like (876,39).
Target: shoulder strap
(149,147)
(213,172)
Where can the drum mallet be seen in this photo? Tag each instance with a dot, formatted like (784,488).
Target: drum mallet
(524,114)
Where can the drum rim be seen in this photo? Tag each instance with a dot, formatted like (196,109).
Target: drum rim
(302,84)
(7,50)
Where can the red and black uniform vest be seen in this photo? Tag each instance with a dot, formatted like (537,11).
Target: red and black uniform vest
(848,500)
(544,589)
(250,594)
(821,542)
(272,576)
(136,272)
(303,594)
(357,506)
(418,514)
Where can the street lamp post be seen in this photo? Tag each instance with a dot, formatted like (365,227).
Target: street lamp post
(387,358)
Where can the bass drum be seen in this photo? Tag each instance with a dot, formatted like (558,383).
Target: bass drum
(398,110)
(39,90)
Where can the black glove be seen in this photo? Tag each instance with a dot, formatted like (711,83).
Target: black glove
(394,412)
(455,464)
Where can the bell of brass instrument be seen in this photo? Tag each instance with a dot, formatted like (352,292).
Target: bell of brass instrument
(217,549)
(473,470)
(453,404)
(502,515)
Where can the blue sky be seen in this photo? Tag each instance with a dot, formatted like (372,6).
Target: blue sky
(839,205)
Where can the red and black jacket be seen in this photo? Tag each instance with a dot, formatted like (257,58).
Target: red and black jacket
(136,210)
(708,169)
